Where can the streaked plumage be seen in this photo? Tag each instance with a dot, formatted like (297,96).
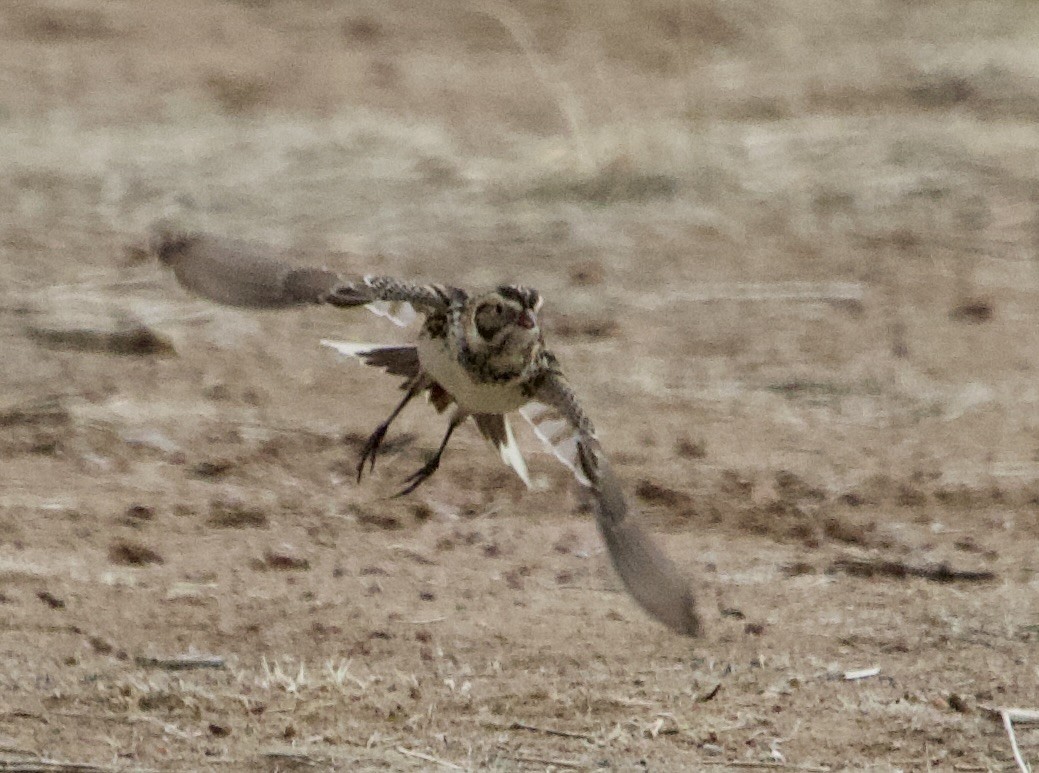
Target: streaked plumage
(483,354)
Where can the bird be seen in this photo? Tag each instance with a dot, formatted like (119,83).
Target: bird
(480,353)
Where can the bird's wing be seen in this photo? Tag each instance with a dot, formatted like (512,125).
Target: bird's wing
(497,429)
(395,360)
(557,418)
(252,275)
(646,571)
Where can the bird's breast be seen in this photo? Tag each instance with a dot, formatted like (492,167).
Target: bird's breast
(440,362)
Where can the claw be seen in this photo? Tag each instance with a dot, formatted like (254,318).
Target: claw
(371,446)
(371,450)
(419,477)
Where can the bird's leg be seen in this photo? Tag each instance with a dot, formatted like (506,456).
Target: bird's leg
(422,474)
(371,447)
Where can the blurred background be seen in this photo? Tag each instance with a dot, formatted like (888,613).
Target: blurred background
(789,255)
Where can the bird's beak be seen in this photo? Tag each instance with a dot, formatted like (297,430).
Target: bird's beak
(526,319)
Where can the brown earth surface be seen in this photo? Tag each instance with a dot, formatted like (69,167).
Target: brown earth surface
(789,252)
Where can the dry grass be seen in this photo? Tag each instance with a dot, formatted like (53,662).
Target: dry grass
(789,256)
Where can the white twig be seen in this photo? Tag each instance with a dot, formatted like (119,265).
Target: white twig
(1018,716)
(1022,716)
(1008,724)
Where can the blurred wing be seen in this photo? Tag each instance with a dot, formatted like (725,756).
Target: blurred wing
(497,429)
(250,275)
(240,273)
(649,575)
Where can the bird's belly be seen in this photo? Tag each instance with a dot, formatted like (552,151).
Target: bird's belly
(472,396)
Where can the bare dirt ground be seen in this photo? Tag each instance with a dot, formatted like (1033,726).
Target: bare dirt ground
(789,252)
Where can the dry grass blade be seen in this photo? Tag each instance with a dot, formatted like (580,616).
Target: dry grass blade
(59,766)
(1019,716)
(563,94)
(428,758)
(570,764)
(548,731)
(751,765)
(291,758)
(17,751)
(182,662)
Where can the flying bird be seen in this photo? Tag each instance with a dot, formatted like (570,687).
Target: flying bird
(482,354)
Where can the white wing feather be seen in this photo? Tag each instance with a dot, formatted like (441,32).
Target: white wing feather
(556,433)
(399,313)
(348,348)
(511,454)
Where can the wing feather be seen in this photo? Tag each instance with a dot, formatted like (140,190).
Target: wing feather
(646,571)
(395,360)
(497,429)
(239,273)
(558,434)
(254,275)
(400,313)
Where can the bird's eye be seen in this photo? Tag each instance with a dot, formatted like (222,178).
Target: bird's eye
(498,308)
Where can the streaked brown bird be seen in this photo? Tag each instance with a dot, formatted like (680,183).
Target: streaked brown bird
(483,354)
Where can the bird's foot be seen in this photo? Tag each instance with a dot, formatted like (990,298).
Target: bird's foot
(371,449)
(420,476)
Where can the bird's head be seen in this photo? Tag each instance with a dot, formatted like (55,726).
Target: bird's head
(506,318)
